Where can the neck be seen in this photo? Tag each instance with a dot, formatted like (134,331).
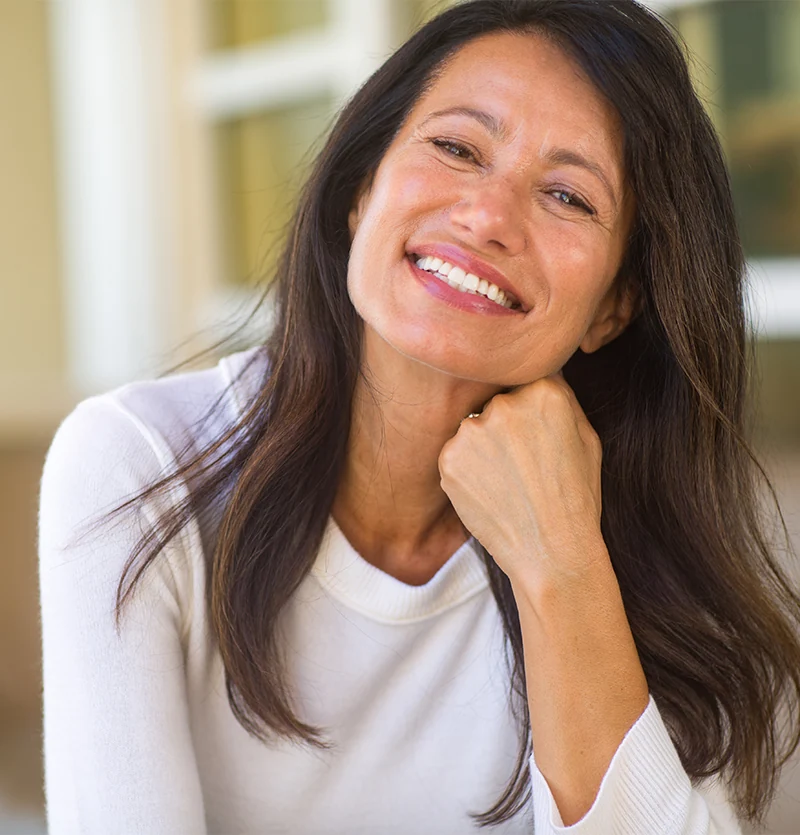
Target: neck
(389,503)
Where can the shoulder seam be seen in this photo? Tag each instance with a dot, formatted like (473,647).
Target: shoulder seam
(231,384)
(189,534)
(235,374)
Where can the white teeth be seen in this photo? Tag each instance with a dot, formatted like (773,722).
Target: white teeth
(457,275)
(460,279)
(471,282)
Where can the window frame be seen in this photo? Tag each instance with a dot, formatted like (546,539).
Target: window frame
(142,64)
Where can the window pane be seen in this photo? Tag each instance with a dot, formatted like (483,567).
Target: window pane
(749,60)
(411,14)
(236,23)
(778,385)
(261,163)
(262,159)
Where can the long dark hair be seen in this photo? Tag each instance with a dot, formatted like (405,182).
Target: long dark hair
(682,516)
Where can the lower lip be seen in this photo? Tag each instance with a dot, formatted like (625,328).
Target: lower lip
(463,300)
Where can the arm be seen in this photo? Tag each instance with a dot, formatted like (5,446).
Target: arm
(645,790)
(117,742)
(525,479)
(603,760)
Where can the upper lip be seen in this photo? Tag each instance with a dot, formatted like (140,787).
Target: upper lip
(459,257)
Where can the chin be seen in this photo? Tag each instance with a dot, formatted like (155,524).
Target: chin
(397,337)
(446,360)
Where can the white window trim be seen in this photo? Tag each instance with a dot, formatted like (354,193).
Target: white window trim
(235,83)
(774,297)
(108,61)
(117,159)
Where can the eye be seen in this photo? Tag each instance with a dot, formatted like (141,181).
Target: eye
(569,198)
(454,149)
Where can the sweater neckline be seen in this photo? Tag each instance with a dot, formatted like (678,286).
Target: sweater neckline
(359,585)
(343,572)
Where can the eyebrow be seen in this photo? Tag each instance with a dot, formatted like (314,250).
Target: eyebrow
(556,156)
(495,126)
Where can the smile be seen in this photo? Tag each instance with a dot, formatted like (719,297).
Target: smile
(458,296)
(465,282)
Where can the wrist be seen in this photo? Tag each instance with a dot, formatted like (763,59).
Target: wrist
(567,583)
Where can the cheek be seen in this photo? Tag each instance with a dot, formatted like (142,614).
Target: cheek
(566,250)
(578,267)
(401,200)
(402,195)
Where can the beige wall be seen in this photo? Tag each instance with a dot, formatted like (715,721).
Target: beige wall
(20,666)
(32,372)
(32,362)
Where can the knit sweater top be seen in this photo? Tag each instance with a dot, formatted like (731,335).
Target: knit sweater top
(410,684)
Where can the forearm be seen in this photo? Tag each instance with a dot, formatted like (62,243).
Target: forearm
(585,684)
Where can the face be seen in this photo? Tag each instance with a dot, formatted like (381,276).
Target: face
(508,180)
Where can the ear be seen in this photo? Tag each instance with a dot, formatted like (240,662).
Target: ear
(358,207)
(616,311)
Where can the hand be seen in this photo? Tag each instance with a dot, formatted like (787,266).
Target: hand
(524,478)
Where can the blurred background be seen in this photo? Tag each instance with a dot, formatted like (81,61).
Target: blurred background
(150,151)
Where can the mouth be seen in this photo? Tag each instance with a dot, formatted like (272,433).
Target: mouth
(466,282)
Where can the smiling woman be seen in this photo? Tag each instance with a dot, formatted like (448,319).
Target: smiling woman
(560,612)
(525,189)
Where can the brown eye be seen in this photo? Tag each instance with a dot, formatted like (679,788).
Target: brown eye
(454,149)
(572,200)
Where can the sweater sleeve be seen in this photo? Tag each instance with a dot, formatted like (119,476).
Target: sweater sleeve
(117,742)
(645,790)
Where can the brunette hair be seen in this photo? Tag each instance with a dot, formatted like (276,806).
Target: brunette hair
(711,609)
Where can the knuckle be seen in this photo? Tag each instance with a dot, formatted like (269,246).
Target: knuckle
(505,411)
(594,443)
(498,406)
(446,459)
(550,395)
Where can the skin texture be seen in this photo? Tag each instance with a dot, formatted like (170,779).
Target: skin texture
(524,477)
(432,364)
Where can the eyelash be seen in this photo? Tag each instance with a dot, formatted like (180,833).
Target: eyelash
(466,154)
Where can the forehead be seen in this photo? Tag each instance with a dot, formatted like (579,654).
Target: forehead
(534,87)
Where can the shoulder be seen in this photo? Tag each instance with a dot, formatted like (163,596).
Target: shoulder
(113,445)
(193,407)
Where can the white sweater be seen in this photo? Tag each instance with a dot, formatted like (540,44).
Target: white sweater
(410,682)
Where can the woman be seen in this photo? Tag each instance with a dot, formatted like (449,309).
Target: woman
(368,583)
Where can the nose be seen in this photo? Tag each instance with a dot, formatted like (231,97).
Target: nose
(492,216)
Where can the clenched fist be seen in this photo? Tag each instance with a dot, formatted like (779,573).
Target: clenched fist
(524,478)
